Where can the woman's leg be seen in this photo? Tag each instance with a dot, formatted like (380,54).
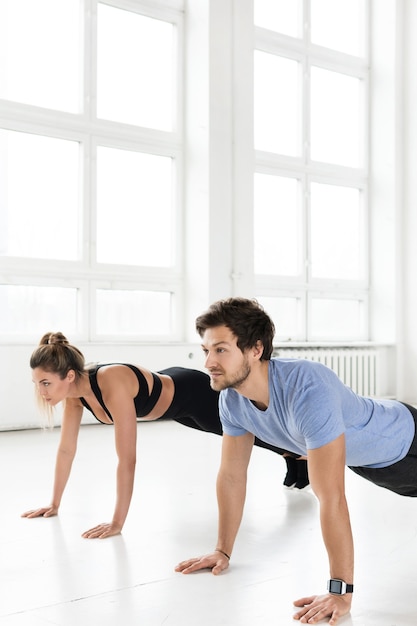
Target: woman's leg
(195,405)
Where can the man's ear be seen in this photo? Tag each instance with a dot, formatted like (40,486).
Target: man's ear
(258,349)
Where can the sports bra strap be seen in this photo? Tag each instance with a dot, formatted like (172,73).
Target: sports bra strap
(144,401)
(153,397)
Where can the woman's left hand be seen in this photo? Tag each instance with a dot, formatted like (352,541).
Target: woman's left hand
(101,531)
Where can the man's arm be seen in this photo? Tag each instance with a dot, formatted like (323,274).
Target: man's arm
(231,494)
(326,468)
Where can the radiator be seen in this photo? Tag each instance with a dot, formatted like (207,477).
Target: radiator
(356,366)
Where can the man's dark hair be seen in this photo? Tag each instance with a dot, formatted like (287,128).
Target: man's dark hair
(246,319)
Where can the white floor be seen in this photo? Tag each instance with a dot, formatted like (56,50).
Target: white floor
(50,575)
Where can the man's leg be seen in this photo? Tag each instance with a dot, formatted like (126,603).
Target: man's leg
(400,477)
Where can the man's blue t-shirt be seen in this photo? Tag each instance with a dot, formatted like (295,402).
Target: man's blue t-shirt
(309,406)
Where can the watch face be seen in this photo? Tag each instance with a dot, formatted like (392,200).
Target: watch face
(335,586)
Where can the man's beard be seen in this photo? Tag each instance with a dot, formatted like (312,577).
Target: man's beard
(234,381)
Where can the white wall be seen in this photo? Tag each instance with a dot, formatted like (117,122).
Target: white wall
(385,175)
(407,306)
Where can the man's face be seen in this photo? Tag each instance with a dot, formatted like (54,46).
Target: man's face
(227,365)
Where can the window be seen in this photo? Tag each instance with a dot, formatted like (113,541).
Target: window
(134,208)
(90,168)
(26,308)
(278,248)
(310,184)
(335,120)
(277,104)
(40,216)
(130,310)
(130,89)
(337,232)
(50,74)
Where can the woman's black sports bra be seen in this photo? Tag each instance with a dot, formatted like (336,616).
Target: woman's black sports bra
(144,401)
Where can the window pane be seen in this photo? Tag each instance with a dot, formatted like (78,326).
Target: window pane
(337,233)
(336,118)
(30,310)
(277,225)
(39,53)
(336,320)
(279,15)
(339,25)
(39,196)
(277,104)
(134,208)
(135,68)
(286,315)
(128,312)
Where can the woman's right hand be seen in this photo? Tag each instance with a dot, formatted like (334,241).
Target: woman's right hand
(216,562)
(47,511)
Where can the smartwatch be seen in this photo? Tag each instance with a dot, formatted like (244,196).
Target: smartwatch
(338,587)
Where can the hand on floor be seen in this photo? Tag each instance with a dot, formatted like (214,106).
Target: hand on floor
(46,511)
(102,531)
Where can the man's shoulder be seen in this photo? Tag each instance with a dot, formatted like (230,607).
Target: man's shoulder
(286,364)
(300,373)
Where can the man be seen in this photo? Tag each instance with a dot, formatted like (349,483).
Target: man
(303,407)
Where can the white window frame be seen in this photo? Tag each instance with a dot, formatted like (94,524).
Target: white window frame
(305,170)
(90,132)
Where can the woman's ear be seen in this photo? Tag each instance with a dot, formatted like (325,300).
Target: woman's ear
(71,376)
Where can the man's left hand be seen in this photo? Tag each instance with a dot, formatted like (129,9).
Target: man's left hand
(316,608)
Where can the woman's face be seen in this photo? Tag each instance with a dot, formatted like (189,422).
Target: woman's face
(51,387)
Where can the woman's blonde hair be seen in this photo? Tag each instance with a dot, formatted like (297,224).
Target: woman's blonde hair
(56,355)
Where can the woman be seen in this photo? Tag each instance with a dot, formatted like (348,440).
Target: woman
(119,393)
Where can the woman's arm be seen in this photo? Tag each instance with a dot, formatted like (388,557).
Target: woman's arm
(71,420)
(117,393)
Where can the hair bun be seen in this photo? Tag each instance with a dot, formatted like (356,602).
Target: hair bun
(54,339)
